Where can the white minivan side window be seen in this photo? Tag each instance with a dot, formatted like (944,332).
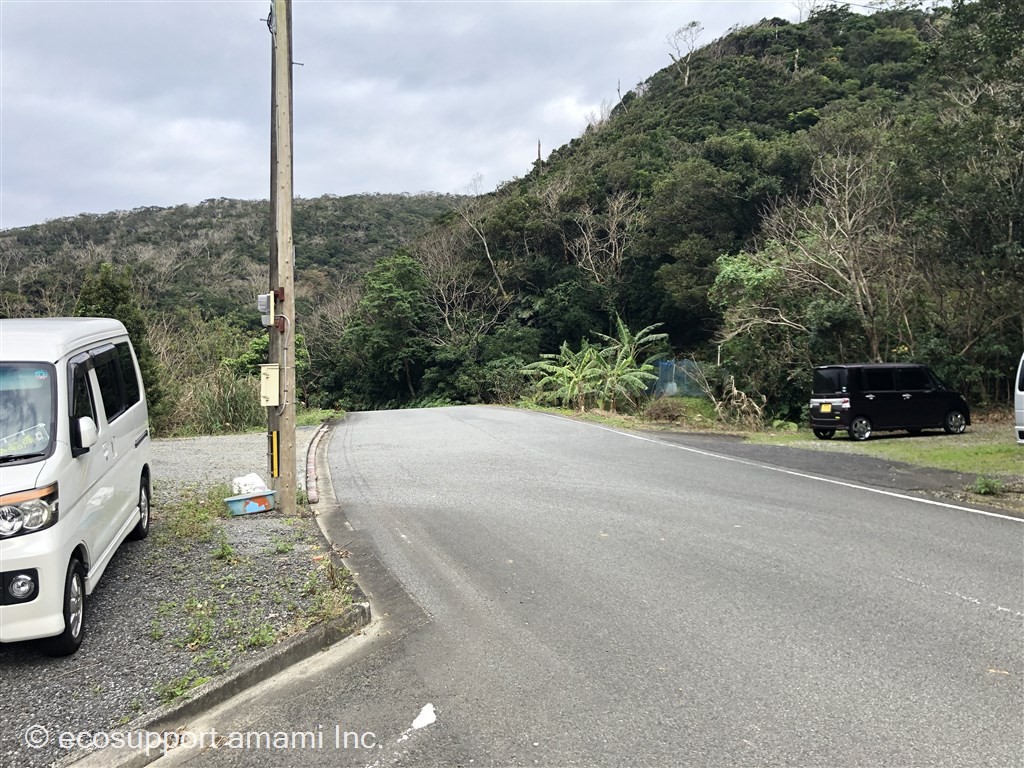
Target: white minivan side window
(119,383)
(81,402)
(81,394)
(132,389)
(109,378)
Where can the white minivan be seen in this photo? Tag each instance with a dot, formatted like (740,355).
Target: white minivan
(74,470)
(1018,402)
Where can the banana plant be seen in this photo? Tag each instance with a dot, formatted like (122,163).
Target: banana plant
(607,375)
(568,378)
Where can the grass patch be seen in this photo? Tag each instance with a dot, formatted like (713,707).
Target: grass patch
(671,413)
(223,551)
(193,517)
(686,414)
(280,546)
(261,637)
(178,687)
(201,624)
(984,450)
(598,417)
(230,586)
(311,417)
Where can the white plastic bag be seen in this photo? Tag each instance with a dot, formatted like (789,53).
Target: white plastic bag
(250,483)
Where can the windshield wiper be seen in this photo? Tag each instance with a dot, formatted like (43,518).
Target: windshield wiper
(18,456)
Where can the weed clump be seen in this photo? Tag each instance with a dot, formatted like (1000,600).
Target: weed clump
(986,486)
(668,409)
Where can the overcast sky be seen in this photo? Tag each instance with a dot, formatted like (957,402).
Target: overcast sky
(117,105)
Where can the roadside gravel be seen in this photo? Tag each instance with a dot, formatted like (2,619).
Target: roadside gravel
(172,611)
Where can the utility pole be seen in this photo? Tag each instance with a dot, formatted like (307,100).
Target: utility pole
(281,418)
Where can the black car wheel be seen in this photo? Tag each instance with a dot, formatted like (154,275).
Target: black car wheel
(68,641)
(824,434)
(955,423)
(860,428)
(141,529)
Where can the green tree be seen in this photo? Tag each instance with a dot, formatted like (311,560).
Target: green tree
(382,352)
(257,353)
(108,292)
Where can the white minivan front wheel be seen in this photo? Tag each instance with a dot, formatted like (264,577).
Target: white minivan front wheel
(68,641)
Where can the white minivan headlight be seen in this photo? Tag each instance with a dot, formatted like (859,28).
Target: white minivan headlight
(28,511)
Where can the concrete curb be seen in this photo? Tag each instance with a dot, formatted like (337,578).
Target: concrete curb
(312,485)
(171,717)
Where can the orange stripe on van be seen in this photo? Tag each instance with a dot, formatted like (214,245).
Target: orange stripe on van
(21,496)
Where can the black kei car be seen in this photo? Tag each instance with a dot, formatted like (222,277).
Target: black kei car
(869,397)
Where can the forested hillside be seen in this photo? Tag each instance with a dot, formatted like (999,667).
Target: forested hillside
(844,189)
(212,256)
(848,188)
(194,272)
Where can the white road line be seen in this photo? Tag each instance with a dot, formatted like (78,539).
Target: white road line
(785,471)
(967,598)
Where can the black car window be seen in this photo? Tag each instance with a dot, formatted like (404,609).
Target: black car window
(828,381)
(108,374)
(914,378)
(879,379)
(131,380)
(81,395)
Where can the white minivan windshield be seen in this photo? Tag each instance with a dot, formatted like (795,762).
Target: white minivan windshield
(26,410)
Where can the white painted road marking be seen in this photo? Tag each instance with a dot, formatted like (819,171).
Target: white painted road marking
(793,472)
(427,716)
(967,598)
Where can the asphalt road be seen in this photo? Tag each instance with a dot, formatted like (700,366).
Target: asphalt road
(559,594)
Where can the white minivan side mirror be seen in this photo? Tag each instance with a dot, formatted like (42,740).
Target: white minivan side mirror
(88,435)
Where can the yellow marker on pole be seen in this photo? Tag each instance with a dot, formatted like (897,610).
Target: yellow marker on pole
(274,469)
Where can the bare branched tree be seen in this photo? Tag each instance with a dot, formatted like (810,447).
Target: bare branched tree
(470,210)
(847,241)
(465,308)
(329,318)
(807,8)
(601,248)
(596,119)
(683,42)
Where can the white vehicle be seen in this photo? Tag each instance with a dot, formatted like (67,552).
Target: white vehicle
(1018,402)
(74,470)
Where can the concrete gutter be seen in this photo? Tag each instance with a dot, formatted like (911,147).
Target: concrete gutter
(169,718)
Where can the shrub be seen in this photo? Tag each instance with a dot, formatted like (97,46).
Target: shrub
(218,402)
(986,486)
(670,409)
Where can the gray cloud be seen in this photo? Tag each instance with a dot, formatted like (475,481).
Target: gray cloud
(116,105)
